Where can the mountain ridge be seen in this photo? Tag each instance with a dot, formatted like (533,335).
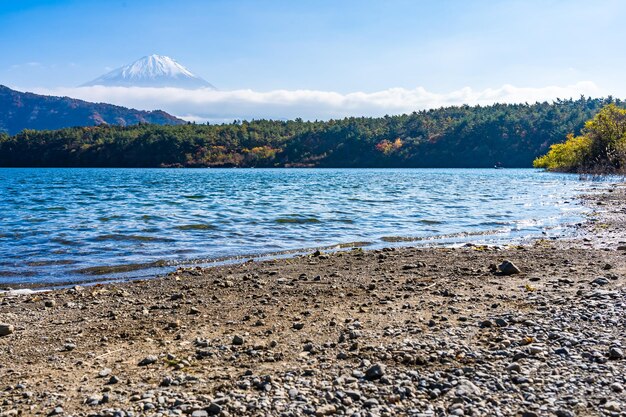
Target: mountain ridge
(24,110)
(152,71)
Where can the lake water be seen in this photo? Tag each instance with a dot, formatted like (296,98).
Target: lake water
(72,225)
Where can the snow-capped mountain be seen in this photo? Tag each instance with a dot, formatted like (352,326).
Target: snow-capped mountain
(152,71)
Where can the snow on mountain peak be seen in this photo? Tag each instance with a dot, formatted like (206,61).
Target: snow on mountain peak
(152,71)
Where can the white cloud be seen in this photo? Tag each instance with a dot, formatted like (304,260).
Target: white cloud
(219,106)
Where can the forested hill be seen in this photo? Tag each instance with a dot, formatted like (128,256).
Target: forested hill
(464,136)
(20,111)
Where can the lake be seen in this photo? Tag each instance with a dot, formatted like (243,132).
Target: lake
(76,225)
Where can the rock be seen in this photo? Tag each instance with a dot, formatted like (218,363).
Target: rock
(561,412)
(371,403)
(612,406)
(486,324)
(298,326)
(375,371)
(214,409)
(616,353)
(414,266)
(501,323)
(200,413)
(562,351)
(508,268)
(514,367)
(617,387)
(600,281)
(148,360)
(466,388)
(6,329)
(68,347)
(50,303)
(238,340)
(104,373)
(56,411)
(113,380)
(325,410)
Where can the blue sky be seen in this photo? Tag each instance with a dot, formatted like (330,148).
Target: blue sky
(341,47)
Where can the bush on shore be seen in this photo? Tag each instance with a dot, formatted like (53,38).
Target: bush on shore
(600,149)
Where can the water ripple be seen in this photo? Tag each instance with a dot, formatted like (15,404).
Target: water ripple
(64,225)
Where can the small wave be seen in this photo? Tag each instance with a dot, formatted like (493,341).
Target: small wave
(428,221)
(36,220)
(493,223)
(65,242)
(20,273)
(200,226)
(353,245)
(116,269)
(195,196)
(148,217)
(393,239)
(296,220)
(132,238)
(109,218)
(55,262)
(442,237)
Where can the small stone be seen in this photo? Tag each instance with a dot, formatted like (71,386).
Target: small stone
(561,412)
(148,360)
(355,395)
(6,329)
(616,353)
(214,409)
(298,326)
(113,380)
(104,373)
(56,411)
(50,303)
(514,367)
(501,323)
(238,340)
(612,406)
(375,371)
(200,413)
(486,324)
(617,387)
(414,266)
(562,351)
(600,281)
(371,403)
(508,268)
(68,347)
(325,410)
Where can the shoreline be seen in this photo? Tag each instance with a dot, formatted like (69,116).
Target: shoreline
(151,269)
(397,331)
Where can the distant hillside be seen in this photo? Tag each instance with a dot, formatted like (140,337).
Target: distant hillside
(461,136)
(20,111)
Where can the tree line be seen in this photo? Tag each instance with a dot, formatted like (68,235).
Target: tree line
(458,136)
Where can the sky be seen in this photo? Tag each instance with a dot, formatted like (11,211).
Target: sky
(319,58)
